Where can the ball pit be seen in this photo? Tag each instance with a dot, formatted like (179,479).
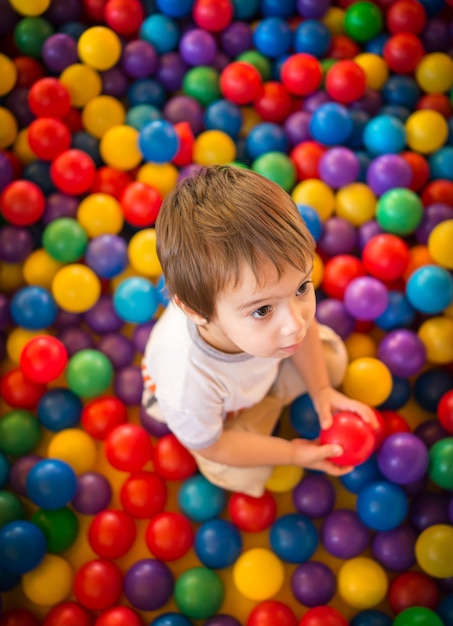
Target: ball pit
(104,106)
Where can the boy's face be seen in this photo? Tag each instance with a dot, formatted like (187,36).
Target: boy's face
(267,320)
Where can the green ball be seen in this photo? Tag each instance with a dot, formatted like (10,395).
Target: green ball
(202,84)
(417,616)
(399,211)
(278,167)
(59,526)
(259,61)
(30,35)
(440,468)
(20,433)
(89,373)
(363,21)
(65,240)
(11,508)
(199,593)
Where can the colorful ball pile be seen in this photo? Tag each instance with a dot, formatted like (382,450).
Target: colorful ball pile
(104,106)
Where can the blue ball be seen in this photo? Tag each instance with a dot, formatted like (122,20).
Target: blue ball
(265,137)
(450,131)
(38,172)
(430,289)
(89,144)
(364,161)
(371,617)
(273,36)
(33,308)
(8,580)
(382,505)
(245,10)
(441,163)
(362,475)
(162,292)
(135,300)
(225,116)
(146,91)
(311,219)
(293,538)
(304,418)
(73,29)
(445,610)
(399,395)
(376,45)
(4,470)
(432,8)
(200,500)
(158,141)
(278,8)
(22,546)
(398,314)
(59,409)
(107,255)
(430,386)
(331,124)
(384,134)
(141,114)
(218,543)
(175,8)
(359,121)
(401,90)
(312,37)
(171,619)
(51,484)
(396,110)
(160,31)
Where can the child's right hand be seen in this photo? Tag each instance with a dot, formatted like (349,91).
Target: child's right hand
(312,455)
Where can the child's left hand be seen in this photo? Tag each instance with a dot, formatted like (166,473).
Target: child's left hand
(328,401)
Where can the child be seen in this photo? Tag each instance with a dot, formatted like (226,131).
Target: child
(239,339)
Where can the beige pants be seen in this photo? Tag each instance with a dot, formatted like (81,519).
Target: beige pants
(263,417)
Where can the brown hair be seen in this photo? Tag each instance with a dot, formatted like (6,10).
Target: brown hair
(218,218)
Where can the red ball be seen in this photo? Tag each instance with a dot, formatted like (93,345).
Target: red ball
(213,15)
(111,181)
(128,448)
(184,156)
(143,495)
(271,613)
(19,392)
(406,16)
(445,411)
(22,203)
(169,536)
(18,617)
(420,169)
(354,435)
(73,120)
(68,614)
(323,616)
(343,47)
(48,137)
(394,423)
(72,172)
(101,415)
(301,74)
(119,616)
(28,71)
(112,534)
(403,52)
(439,102)
(306,157)
(124,16)
(141,204)
(241,83)
(438,191)
(339,272)
(49,98)
(43,359)
(252,514)
(275,104)
(345,81)
(380,431)
(413,589)
(386,256)
(172,461)
(94,10)
(98,584)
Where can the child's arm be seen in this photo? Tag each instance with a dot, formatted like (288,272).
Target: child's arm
(310,362)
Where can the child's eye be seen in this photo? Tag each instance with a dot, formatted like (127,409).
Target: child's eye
(303,289)
(262,312)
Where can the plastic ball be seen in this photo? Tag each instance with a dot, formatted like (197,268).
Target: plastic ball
(111,534)
(366,298)
(388,171)
(399,211)
(50,582)
(22,203)
(100,214)
(106,255)
(353,435)
(382,505)
(384,134)
(143,495)
(199,593)
(48,138)
(82,83)
(434,73)
(119,147)
(419,615)
(51,484)
(141,203)
(93,493)
(438,245)
(345,81)
(439,469)
(65,240)
(313,583)
(403,458)
(141,576)
(72,172)
(386,257)
(286,538)
(135,300)
(68,613)
(240,83)
(284,478)
(403,52)
(252,514)
(119,616)
(200,500)
(433,550)
(98,584)
(172,461)
(218,543)
(169,536)
(321,615)
(315,194)
(74,447)
(22,546)
(89,373)
(429,289)
(267,613)
(60,527)
(445,411)
(128,447)
(258,574)
(99,47)
(301,74)
(339,167)
(363,21)
(76,288)
(331,124)
(426,131)
(43,359)
(213,147)
(362,583)
(158,141)
(356,203)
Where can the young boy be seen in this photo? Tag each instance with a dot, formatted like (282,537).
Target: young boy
(239,339)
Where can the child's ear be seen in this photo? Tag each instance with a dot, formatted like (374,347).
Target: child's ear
(191,314)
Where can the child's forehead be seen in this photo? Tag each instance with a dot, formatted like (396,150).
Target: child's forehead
(266,276)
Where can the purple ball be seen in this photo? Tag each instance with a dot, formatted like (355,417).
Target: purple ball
(185,109)
(188,170)
(75,339)
(428,509)
(388,171)
(114,82)
(339,167)
(370,102)
(333,313)
(366,298)
(315,100)
(344,534)
(59,205)
(430,431)
(236,38)
(139,59)
(118,348)
(141,335)
(198,47)
(61,12)
(5,318)
(435,36)
(222,620)
(128,385)
(338,237)
(403,458)
(59,51)
(17,103)
(171,71)
(433,215)
(102,317)
(313,583)
(314,496)
(297,127)
(395,549)
(313,9)
(412,489)
(403,352)
(6,171)
(107,255)
(93,493)
(220,61)
(145,575)
(16,244)
(367,231)
(152,426)
(65,319)
(2,346)
(19,471)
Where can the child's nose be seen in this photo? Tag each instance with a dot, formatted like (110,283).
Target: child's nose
(294,320)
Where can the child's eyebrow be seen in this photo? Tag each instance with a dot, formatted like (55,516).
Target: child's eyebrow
(254,303)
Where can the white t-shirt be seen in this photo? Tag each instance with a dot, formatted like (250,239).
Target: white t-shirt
(193,387)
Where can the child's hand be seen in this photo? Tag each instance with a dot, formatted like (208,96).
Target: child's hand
(328,401)
(312,455)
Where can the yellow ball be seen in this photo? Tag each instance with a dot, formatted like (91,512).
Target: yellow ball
(22,148)
(258,574)
(11,276)
(426,131)
(316,194)
(161,176)
(8,74)
(99,47)
(356,203)
(102,113)
(142,253)
(437,336)
(17,340)
(318,270)
(119,147)
(212,147)
(250,119)
(50,582)
(375,68)
(334,20)
(30,8)
(75,447)
(434,550)
(362,583)
(284,478)
(359,345)
(440,244)
(40,268)
(76,288)
(100,214)
(368,380)
(434,73)
(82,82)
(8,128)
